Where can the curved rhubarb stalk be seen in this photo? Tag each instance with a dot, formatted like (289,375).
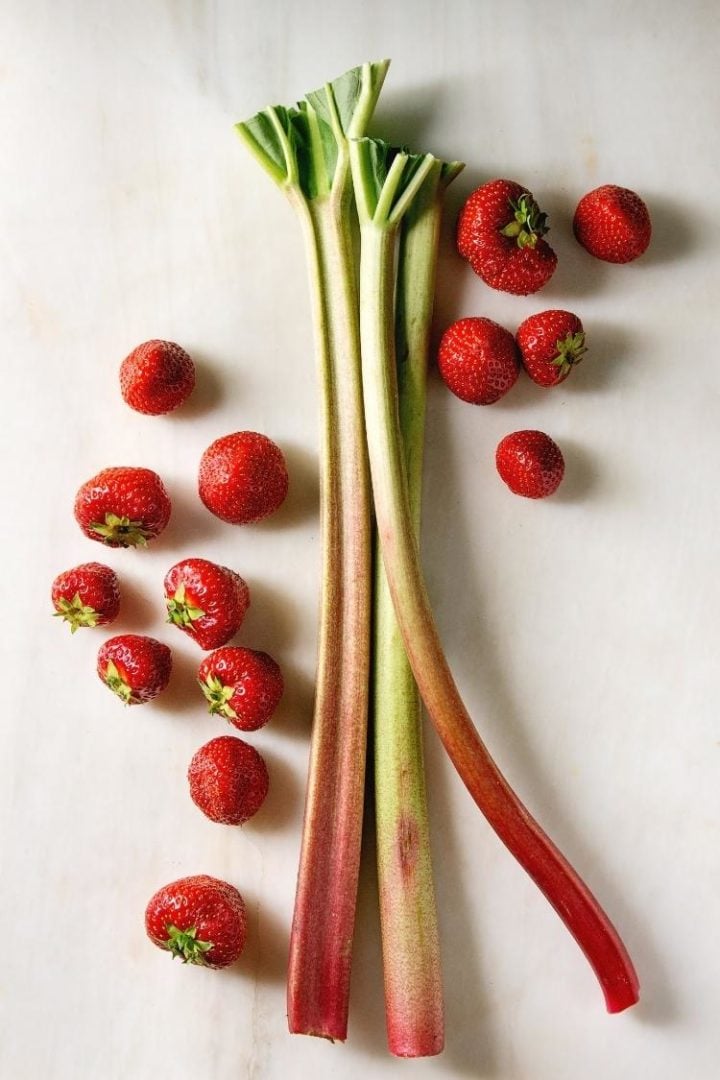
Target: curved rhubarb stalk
(385,183)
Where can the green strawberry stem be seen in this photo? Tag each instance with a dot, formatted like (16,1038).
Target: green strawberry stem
(184,945)
(181,609)
(218,697)
(528,222)
(75,613)
(305,150)
(570,350)
(121,531)
(118,683)
(384,189)
(408,917)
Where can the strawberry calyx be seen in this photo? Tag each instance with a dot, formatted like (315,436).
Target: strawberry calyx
(570,350)
(182,610)
(76,613)
(121,531)
(118,684)
(218,697)
(528,222)
(184,944)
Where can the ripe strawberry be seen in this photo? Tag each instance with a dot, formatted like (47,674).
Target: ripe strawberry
(87,595)
(500,232)
(478,360)
(530,463)
(613,224)
(228,780)
(550,343)
(243,477)
(156,377)
(200,919)
(208,602)
(123,507)
(242,685)
(136,668)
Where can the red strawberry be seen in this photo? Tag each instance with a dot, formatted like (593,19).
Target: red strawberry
(228,780)
(500,232)
(87,595)
(613,224)
(123,507)
(156,377)
(136,668)
(200,919)
(478,360)
(242,685)
(550,343)
(530,463)
(243,477)
(208,602)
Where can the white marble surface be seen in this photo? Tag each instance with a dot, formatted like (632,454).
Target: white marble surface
(583,630)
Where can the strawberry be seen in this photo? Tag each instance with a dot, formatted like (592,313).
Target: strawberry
(208,602)
(200,919)
(478,360)
(530,463)
(242,685)
(123,507)
(156,377)
(87,595)
(228,780)
(550,344)
(500,232)
(613,224)
(136,668)
(243,477)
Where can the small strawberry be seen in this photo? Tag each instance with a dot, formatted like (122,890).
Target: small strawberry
(242,685)
(87,595)
(123,507)
(200,919)
(500,232)
(136,668)
(156,377)
(478,360)
(228,780)
(530,463)
(208,602)
(243,477)
(613,224)
(550,344)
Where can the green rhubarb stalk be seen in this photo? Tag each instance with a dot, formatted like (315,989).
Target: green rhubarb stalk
(386,181)
(305,150)
(408,916)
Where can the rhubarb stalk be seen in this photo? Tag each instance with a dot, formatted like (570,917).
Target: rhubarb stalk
(386,181)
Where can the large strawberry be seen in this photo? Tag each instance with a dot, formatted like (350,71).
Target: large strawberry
(123,507)
(156,377)
(135,667)
(478,360)
(207,601)
(500,232)
(530,463)
(87,595)
(200,919)
(551,343)
(613,224)
(242,685)
(228,780)
(243,477)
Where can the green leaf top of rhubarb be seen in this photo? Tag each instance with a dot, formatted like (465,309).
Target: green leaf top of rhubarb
(528,222)
(118,684)
(182,611)
(387,179)
(185,945)
(570,350)
(218,697)
(121,531)
(76,613)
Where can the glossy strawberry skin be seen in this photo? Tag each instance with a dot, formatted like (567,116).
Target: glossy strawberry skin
(550,343)
(123,507)
(135,667)
(86,595)
(478,360)
(613,224)
(530,463)
(228,780)
(242,685)
(206,601)
(498,259)
(243,477)
(213,909)
(156,377)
